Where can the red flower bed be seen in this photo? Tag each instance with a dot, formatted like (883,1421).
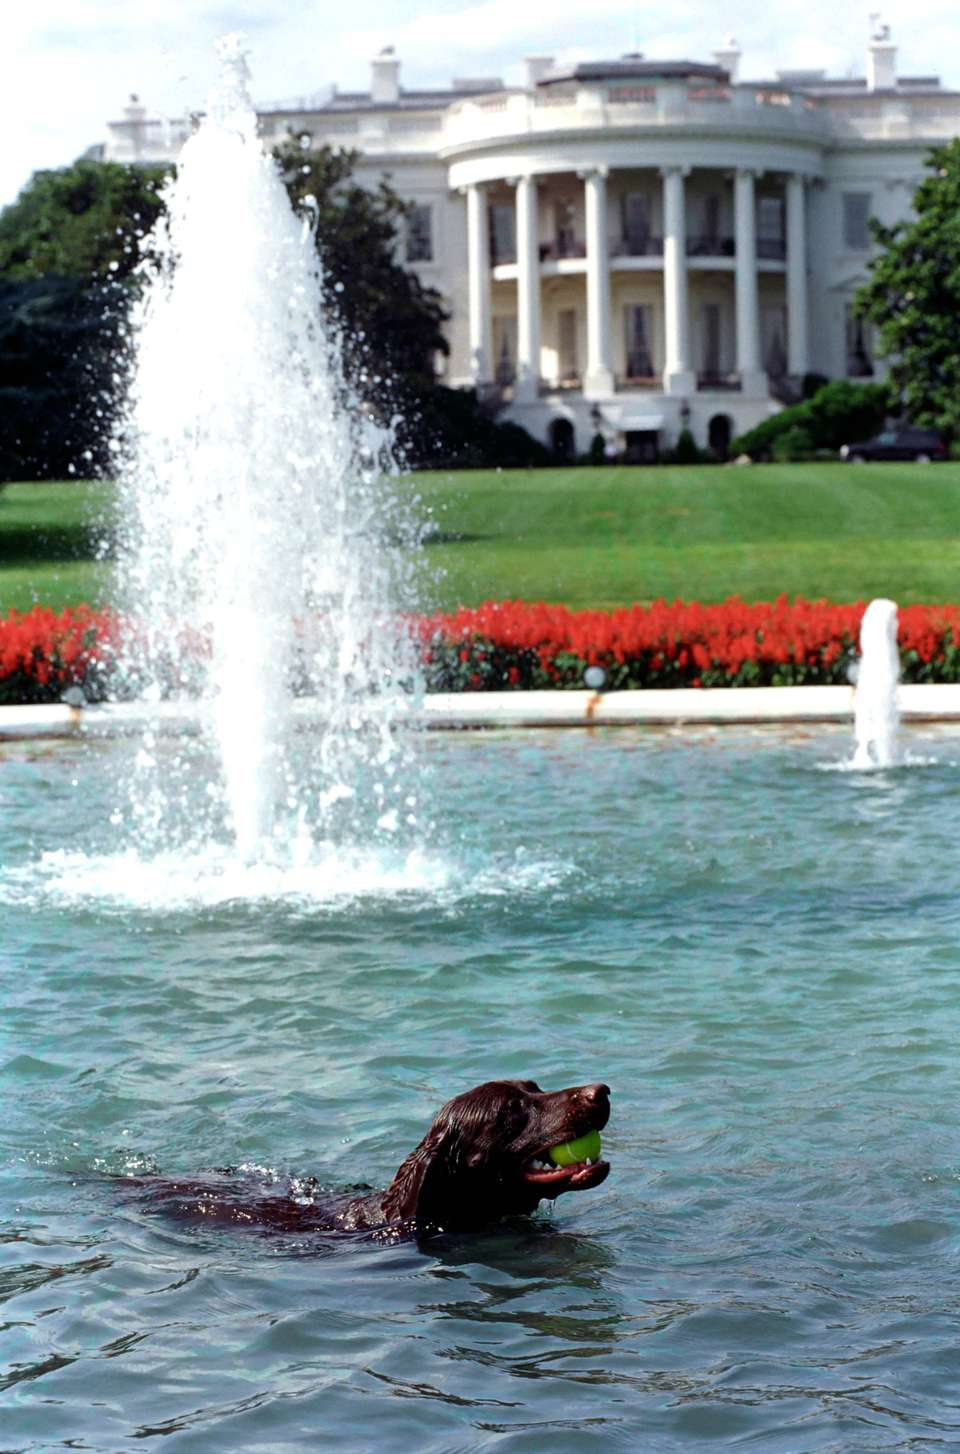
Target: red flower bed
(515,645)
(43,652)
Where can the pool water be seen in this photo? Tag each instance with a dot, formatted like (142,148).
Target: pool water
(758,951)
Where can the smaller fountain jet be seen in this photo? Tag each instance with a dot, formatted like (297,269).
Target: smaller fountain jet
(876,715)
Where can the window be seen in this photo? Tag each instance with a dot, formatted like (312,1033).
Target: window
(567,363)
(856,215)
(420,233)
(638,326)
(771,239)
(503,233)
(770,218)
(773,338)
(859,362)
(505,350)
(565,231)
(635,221)
(711,220)
(711,342)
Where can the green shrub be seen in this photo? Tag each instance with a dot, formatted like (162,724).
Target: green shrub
(686,451)
(598,449)
(838,413)
(794,443)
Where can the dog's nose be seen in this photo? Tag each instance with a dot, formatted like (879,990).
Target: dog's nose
(596,1095)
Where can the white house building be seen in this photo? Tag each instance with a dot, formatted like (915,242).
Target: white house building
(632,246)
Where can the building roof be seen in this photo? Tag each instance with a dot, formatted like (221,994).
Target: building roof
(406,100)
(634,67)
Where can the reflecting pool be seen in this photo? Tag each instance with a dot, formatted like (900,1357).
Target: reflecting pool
(758,951)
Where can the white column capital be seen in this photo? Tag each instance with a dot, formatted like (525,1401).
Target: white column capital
(675,171)
(589,174)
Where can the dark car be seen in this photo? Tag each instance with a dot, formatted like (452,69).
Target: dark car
(922,445)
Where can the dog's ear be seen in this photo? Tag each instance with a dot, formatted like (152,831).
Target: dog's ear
(421,1188)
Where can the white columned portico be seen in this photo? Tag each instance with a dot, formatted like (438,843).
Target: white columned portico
(599,376)
(752,378)
(527,386)
(678,376)
(478,285)
(797,336)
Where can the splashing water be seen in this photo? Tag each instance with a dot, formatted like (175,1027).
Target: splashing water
(876,715)
(256,561)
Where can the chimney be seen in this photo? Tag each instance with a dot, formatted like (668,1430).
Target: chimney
(135,117)
(728,56)
(537,67)
(881,60)
(385,77)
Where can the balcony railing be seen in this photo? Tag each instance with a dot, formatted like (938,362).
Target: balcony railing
(631,380)
(710,379)
(699,246)
(562,247)
(709,245)
(637,247)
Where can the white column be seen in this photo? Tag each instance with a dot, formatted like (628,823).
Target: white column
(752,378)
(678,376)
(527,386)
(599,378)
(797,347)
(478,268)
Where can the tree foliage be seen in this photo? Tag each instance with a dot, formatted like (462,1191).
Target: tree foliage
(391,324)
(68,249)
(912,297)
(82,221)
(838,413)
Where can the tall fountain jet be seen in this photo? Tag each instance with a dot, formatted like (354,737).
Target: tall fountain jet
(256,561)
(876,715)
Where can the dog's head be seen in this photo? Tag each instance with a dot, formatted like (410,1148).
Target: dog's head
(486,1154)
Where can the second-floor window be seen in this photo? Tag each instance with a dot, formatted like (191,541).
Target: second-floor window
(635,221)
(503,233)
(770,227)
(856,219)
(420,233)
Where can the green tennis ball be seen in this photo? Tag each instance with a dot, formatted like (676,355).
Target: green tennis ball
(573,1152)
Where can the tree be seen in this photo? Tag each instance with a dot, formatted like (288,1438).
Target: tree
(838,413)
(67,245)
(913,297)
(391,324)
(82,221)
(68,248)
(58,343)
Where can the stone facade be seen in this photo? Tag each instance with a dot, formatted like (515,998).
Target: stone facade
(633,246)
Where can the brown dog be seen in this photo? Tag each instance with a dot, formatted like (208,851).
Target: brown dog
(484,1157)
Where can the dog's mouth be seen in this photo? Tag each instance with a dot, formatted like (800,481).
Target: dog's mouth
(578,1176)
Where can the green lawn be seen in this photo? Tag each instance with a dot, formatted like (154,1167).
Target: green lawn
(600,537)
(50,538)
(611,536)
